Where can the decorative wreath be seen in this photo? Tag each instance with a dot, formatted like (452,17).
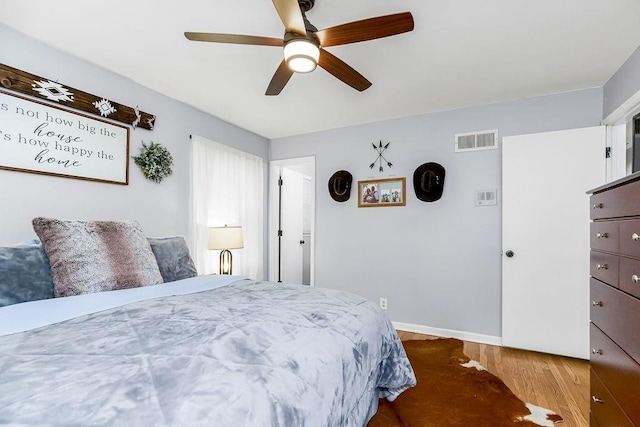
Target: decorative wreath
(155,161)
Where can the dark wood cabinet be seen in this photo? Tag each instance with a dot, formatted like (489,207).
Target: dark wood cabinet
(605,267)
(605,410)
(618,199)
(615,303)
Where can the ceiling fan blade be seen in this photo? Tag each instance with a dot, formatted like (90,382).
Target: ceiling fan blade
(291,16)
(279,79)
(367,29)
(342,71)
(234,39)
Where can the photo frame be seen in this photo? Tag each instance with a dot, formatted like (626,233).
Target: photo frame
(382,192)
(49,140)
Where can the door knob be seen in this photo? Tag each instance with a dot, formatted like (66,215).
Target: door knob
(509,253)
(302,242)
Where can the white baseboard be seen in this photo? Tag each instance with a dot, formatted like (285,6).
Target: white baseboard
(449,333)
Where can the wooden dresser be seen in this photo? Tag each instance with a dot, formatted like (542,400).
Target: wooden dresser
(615,303)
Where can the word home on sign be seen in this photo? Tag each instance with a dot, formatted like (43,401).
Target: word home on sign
(38,138)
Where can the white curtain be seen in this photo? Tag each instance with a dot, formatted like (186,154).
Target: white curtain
(227,189)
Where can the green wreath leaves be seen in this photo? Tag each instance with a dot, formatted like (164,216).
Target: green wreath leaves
(155,161)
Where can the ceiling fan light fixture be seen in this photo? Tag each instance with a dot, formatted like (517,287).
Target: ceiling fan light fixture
(301,55)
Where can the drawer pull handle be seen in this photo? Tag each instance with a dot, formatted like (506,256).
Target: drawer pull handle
(596,399)
(635,237)
(603,235)
(602,267)
(597,206)
(594,351)
(635,278)
(596,303)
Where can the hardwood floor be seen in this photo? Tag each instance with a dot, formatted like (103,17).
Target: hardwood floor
(554,382)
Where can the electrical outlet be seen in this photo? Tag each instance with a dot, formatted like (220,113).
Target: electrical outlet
(383,303)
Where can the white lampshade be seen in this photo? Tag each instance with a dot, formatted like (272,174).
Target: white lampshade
(301,55)
(225,237)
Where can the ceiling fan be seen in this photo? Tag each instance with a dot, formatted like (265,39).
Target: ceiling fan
(304,45)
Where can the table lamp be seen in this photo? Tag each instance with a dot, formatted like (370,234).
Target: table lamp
(225,238)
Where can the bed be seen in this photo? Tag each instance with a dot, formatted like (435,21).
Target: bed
(201,350)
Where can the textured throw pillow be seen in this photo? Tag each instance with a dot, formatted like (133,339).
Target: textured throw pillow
(95,256)
(172,255)
(24,275)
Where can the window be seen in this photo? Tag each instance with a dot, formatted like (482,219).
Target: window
(227,187)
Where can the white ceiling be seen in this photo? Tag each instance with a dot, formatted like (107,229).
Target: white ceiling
(462,53)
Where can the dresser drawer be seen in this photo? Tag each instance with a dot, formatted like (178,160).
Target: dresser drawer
(618,315)
(604,267)
(629,237)
(616,202)
(604,236)
(629,280)
(618,372)
(604,407)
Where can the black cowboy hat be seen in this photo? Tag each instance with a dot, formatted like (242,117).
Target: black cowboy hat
(428,181)
(340,186)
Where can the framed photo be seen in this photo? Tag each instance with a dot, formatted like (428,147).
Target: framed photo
(45,139)
(382,192)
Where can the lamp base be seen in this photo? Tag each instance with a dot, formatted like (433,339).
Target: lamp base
(225,262)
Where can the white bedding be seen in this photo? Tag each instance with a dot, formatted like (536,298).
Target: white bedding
(35,314)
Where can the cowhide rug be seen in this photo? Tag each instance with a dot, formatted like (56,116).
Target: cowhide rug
(455,391)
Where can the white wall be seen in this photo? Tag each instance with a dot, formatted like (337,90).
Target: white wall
(162,209)
(438,264)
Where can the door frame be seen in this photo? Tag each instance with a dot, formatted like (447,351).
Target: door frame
(275,167)
(619,134)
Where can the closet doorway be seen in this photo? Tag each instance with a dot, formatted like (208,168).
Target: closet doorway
(291,220)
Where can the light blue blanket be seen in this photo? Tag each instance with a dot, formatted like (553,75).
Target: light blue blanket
(247,354)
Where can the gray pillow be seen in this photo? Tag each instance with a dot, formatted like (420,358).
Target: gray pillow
(172,255)
(95,256)
(24,275)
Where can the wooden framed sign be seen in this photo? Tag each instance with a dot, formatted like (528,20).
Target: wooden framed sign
(46,139)
(382,192)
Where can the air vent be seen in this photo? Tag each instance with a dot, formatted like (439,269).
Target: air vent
(485,140)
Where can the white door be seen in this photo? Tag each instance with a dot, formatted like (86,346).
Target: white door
(291,253)
(307,201)
(545,227)
(290,261)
